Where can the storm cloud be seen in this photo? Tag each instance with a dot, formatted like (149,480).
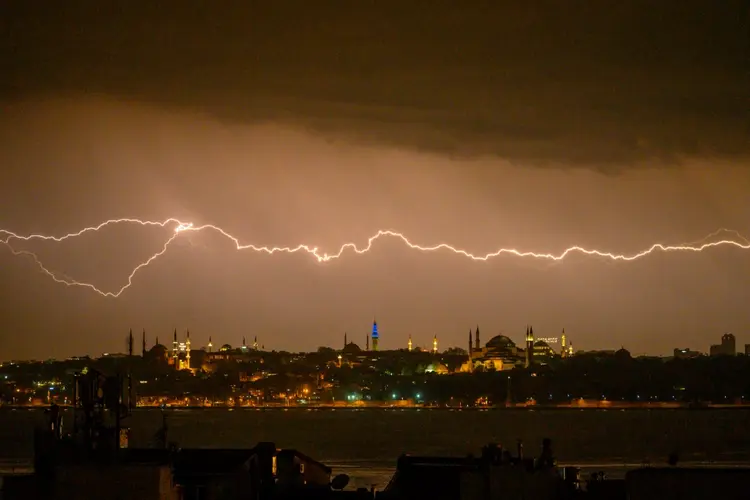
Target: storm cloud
(605,85)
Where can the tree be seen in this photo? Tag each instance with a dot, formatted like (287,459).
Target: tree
(455,351)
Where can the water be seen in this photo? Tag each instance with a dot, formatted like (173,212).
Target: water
(366,443)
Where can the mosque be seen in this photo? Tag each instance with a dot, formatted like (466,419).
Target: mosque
(501,353)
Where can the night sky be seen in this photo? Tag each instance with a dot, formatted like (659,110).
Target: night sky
(529,124)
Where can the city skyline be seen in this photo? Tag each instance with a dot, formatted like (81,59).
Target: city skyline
(536,127)
(182,339)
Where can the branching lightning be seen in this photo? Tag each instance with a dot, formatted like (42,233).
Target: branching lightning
(180,228)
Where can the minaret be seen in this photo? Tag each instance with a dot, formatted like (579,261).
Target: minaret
(210,345)
(434,345)
(529,346)
(375,335)
(476,340)
(470,348)
(244,345)
(563,341)
(409,344)
(255,343)
(187,350)
(345,342)
(367,342)
(143,344)
(130,343)
(175,348)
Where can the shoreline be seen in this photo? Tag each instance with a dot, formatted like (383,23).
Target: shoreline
(375,407)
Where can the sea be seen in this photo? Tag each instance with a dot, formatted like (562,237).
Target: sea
(365,443)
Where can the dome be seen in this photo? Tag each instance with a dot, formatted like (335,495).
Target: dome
(500,342)
(622,353)
(158,352)
(225,347)
(351,348)
(541,343)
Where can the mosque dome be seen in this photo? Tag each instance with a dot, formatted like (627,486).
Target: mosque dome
(351,348)
(622,353)
(500,342)
(158,349)
(225,347)
(158,352)
(541,343)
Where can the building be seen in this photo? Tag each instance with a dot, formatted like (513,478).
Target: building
(180,355)
(375,335)
(529,346)
(499,353)
(566,349)
(728,346)
(542,352)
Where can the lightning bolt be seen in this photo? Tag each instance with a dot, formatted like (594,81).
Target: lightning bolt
(179,228)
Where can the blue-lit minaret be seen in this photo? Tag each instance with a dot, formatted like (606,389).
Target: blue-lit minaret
(375,335)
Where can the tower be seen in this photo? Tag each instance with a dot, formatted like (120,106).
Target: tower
(529,346)
(143,344)
(375,335)
(175,348)
(367,342)
(345,342)
(130,343)
(476,339)
(210,345)
(409,344)
(244,345)
(470,349)
(434,345)
(255,343)
(187,350)
(563,343)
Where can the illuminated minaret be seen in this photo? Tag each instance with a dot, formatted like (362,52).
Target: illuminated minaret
(529,346)
(187,350)
(564,343)
(210,345)
(255,343)
(409,344)
(175,348)
(375,335)
(434,345)
(476,340)
(244,345)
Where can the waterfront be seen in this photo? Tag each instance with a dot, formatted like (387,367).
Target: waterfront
(366,443)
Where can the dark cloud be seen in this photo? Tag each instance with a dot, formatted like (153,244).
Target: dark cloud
(600,84)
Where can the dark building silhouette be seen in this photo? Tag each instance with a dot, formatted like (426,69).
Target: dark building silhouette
(728,346)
